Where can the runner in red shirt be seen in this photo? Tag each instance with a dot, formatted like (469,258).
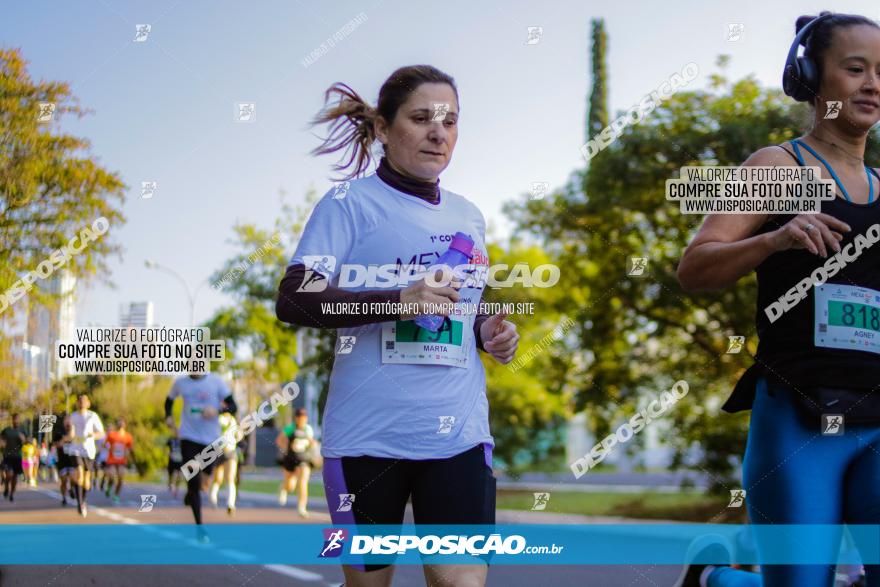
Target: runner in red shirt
(119,443)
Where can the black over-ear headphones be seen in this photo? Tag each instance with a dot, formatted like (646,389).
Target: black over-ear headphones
(800,80)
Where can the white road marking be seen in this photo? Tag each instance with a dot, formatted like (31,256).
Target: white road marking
(286,570)
(295,572)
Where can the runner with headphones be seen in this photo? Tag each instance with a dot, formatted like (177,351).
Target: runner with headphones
(809,369)
(404,415)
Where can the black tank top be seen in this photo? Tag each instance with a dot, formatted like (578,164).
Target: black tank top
(786,353)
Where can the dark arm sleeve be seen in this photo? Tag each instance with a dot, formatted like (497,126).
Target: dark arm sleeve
(304,308)
(169,403)
(231,406)
(478,322)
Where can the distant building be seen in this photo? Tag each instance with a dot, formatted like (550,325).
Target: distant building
(48,325)
(137,314)
(35,328)
(33,365)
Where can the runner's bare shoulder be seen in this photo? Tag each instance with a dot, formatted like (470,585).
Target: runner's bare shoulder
(772,156)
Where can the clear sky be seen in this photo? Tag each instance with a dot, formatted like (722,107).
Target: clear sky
(164,108)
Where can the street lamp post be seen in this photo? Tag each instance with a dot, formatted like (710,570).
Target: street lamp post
(191,296)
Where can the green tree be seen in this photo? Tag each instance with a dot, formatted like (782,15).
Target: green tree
(643,334)
(251,278)
(597,116)
(530,398)
(51,188)
(142,405)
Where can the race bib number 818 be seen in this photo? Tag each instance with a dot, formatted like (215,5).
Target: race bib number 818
(847,317)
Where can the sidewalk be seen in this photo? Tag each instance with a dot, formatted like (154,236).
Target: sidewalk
(616,482)
(502,516)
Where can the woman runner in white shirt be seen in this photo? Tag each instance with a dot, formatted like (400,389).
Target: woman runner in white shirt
(407,409)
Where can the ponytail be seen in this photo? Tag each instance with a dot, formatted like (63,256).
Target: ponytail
(352,129)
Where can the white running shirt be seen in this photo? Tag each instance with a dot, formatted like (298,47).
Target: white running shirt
(85,428)
(395,392)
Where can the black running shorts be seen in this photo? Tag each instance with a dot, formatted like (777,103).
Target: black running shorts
(455,490)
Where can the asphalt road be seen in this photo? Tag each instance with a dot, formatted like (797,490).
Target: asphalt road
(42,506)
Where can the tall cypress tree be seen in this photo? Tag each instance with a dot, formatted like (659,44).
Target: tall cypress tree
(597,116)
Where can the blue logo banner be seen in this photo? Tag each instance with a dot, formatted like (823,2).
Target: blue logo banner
(516,544)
